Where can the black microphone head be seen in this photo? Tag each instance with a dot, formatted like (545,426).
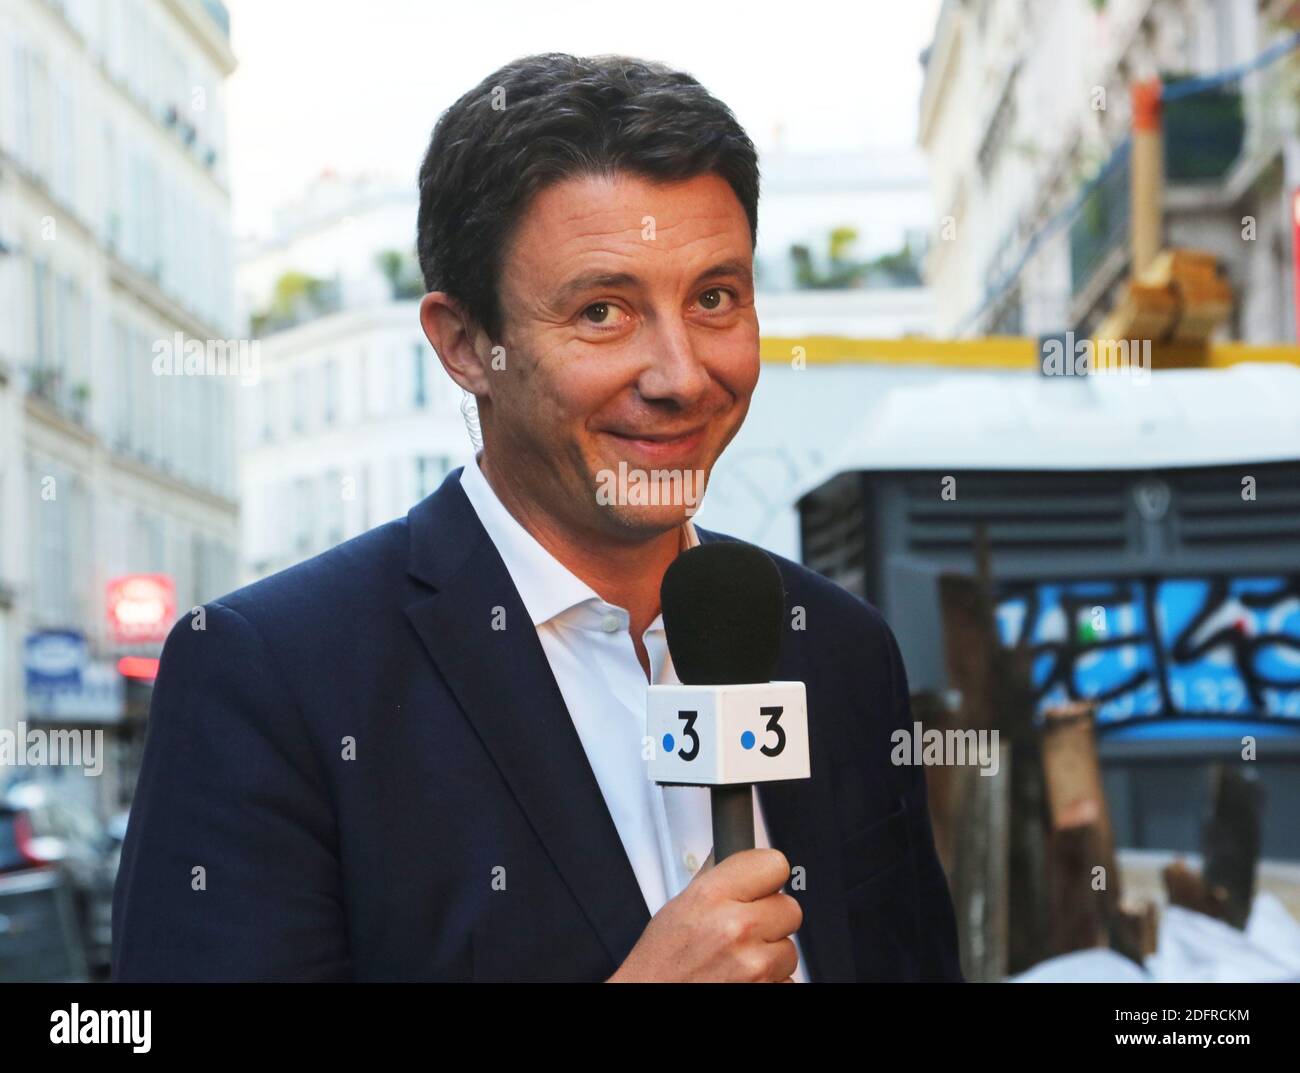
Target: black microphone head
(723,604)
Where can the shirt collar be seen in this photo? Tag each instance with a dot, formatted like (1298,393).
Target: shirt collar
(546,587)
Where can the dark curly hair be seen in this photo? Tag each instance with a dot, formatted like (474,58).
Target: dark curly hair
(545,118)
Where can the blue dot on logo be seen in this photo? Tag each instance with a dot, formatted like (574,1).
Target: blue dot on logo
(747,739)
(668,743)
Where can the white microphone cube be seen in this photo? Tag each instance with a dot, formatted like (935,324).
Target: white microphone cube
(723,735)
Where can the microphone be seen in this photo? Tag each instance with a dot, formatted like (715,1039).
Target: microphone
(723,608)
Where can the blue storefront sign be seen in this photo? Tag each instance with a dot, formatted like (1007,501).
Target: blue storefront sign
(100,697)
(54,660)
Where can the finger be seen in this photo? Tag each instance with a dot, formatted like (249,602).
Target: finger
(780,916)
(786,961)
(752,873)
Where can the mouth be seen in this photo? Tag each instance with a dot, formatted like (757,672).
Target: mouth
(659,446)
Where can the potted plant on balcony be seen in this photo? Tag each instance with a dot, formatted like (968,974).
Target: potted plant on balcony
(80,397)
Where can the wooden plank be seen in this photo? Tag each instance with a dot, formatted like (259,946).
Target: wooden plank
(1185,887)
(1082,877)
(993,684)
(980,869)
(969,814)
(1230,841)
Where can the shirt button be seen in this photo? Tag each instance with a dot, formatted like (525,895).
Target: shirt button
(692,862)
(610,623)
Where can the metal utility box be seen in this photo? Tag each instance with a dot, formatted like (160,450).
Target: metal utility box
(1171,596)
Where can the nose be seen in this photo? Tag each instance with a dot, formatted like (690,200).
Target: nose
(674,371)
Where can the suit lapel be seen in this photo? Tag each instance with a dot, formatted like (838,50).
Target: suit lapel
(504,684)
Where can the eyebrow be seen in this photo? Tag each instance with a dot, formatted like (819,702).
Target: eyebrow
(570,290)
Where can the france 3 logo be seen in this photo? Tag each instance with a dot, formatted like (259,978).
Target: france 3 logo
(718,735)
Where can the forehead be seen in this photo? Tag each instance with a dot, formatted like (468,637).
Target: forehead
(618,213)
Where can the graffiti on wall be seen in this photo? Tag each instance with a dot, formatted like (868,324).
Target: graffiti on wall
(1197,646)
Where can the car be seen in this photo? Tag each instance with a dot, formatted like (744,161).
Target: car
(40,829)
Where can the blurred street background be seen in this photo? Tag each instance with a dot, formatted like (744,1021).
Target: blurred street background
(211,368)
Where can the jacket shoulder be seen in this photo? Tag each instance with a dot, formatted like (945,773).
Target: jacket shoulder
(347,576)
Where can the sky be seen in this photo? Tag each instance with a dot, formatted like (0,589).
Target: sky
(357,85)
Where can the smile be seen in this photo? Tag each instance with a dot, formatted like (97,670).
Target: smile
(659,447)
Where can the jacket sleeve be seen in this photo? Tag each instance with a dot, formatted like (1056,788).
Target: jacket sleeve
(230,867)
(940,956)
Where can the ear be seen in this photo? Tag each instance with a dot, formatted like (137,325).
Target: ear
(463,348)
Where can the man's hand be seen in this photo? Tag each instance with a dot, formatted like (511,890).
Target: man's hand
(732,924)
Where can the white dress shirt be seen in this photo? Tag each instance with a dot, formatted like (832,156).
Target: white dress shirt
(666,830)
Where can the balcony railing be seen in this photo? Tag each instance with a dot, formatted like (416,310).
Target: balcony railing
(318,298)
(1102,223)
(1203,136)
(71,400)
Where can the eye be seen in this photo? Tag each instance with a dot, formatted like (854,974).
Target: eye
(602,314)
(712,298)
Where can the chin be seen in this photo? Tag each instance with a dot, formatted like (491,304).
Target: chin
(647,522)
(638,499)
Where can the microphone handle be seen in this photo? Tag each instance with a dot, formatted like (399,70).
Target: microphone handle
(733,820)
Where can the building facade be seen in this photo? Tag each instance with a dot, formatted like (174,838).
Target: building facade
(352,419)
(114,219)
(1024,115)
(881,196)
(11,473)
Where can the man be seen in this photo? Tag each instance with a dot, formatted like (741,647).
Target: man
(419,755)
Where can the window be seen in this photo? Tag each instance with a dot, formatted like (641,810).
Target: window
(330,393)
(364,392)
(64,138)
(158,414)
(299,401)
(419,396)
(125,388)
(62,324)
(42,128)
(51,597)
(41,321)
(332,497)
(201,587)
(112,190)
(140,358)
(23,104)
(363,494)
(304,515)
(268,391)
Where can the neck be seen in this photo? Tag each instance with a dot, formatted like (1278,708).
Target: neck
(627,575)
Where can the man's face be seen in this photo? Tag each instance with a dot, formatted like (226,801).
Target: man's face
(630,336)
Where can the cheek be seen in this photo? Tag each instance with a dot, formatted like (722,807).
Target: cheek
(551,395)
(586,390)
(737,370)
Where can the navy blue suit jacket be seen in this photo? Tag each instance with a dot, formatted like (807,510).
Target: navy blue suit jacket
(348,762)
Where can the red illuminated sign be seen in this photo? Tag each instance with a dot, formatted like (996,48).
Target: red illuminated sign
(138,667)
(141,607)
